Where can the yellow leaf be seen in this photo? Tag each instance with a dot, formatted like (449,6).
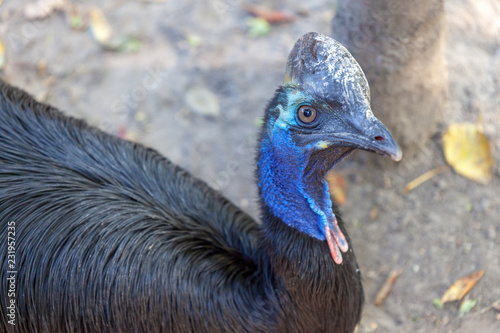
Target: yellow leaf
(99,26)
(462,286)
(337,186)
(468,151)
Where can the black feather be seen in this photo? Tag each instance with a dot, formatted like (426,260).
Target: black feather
(112,237)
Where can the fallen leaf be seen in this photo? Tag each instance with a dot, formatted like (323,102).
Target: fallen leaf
(102,32)
(496,306)
(258,27)
(77,16)
(387,287)
(2,55)
(424,177)
(468,151)
(373,326)
(268,14)
(337,186)
(127,44)
(437,303)
(76,22)
(202,101)
(43,8)
(193,40)
(462,286)
(467,305)
(141,117)
(374,213)
(99,26)
(41,67)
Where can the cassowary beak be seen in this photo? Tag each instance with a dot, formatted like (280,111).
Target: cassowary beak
(382,143)
(368,134)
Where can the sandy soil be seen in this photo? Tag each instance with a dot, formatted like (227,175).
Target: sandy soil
(444,229)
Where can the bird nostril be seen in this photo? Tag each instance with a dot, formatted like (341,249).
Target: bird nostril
(379,138)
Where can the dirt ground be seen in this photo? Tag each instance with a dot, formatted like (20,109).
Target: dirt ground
(444,229)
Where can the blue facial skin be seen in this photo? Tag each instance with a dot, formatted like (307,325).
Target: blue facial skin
(283,182)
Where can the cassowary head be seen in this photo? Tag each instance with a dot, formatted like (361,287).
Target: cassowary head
(319,116)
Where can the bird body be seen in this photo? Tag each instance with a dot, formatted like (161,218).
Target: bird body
(110,236)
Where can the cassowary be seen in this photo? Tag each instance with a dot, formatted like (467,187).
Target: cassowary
(112,237)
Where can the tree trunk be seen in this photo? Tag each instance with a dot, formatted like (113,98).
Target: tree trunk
(400,44)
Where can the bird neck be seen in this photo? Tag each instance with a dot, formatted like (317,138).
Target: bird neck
(305,279)
(292,187)
(295,202)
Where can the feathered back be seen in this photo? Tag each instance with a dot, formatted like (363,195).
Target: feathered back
(111,236)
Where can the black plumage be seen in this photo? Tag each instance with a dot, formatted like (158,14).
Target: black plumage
(113,237)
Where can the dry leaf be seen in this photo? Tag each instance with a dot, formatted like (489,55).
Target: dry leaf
(468,151)
(337,186)
(258,27)
(43,8)
(424,177)
(268,14)
(99,26)
(374,213)
(496,306)
(103,33)
(462,286)
(41,67)
(77,16)
(203,101)
(387,287)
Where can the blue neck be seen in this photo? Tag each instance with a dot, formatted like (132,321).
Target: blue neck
(299,200)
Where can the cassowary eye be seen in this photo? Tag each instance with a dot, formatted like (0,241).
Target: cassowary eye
(306,114)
